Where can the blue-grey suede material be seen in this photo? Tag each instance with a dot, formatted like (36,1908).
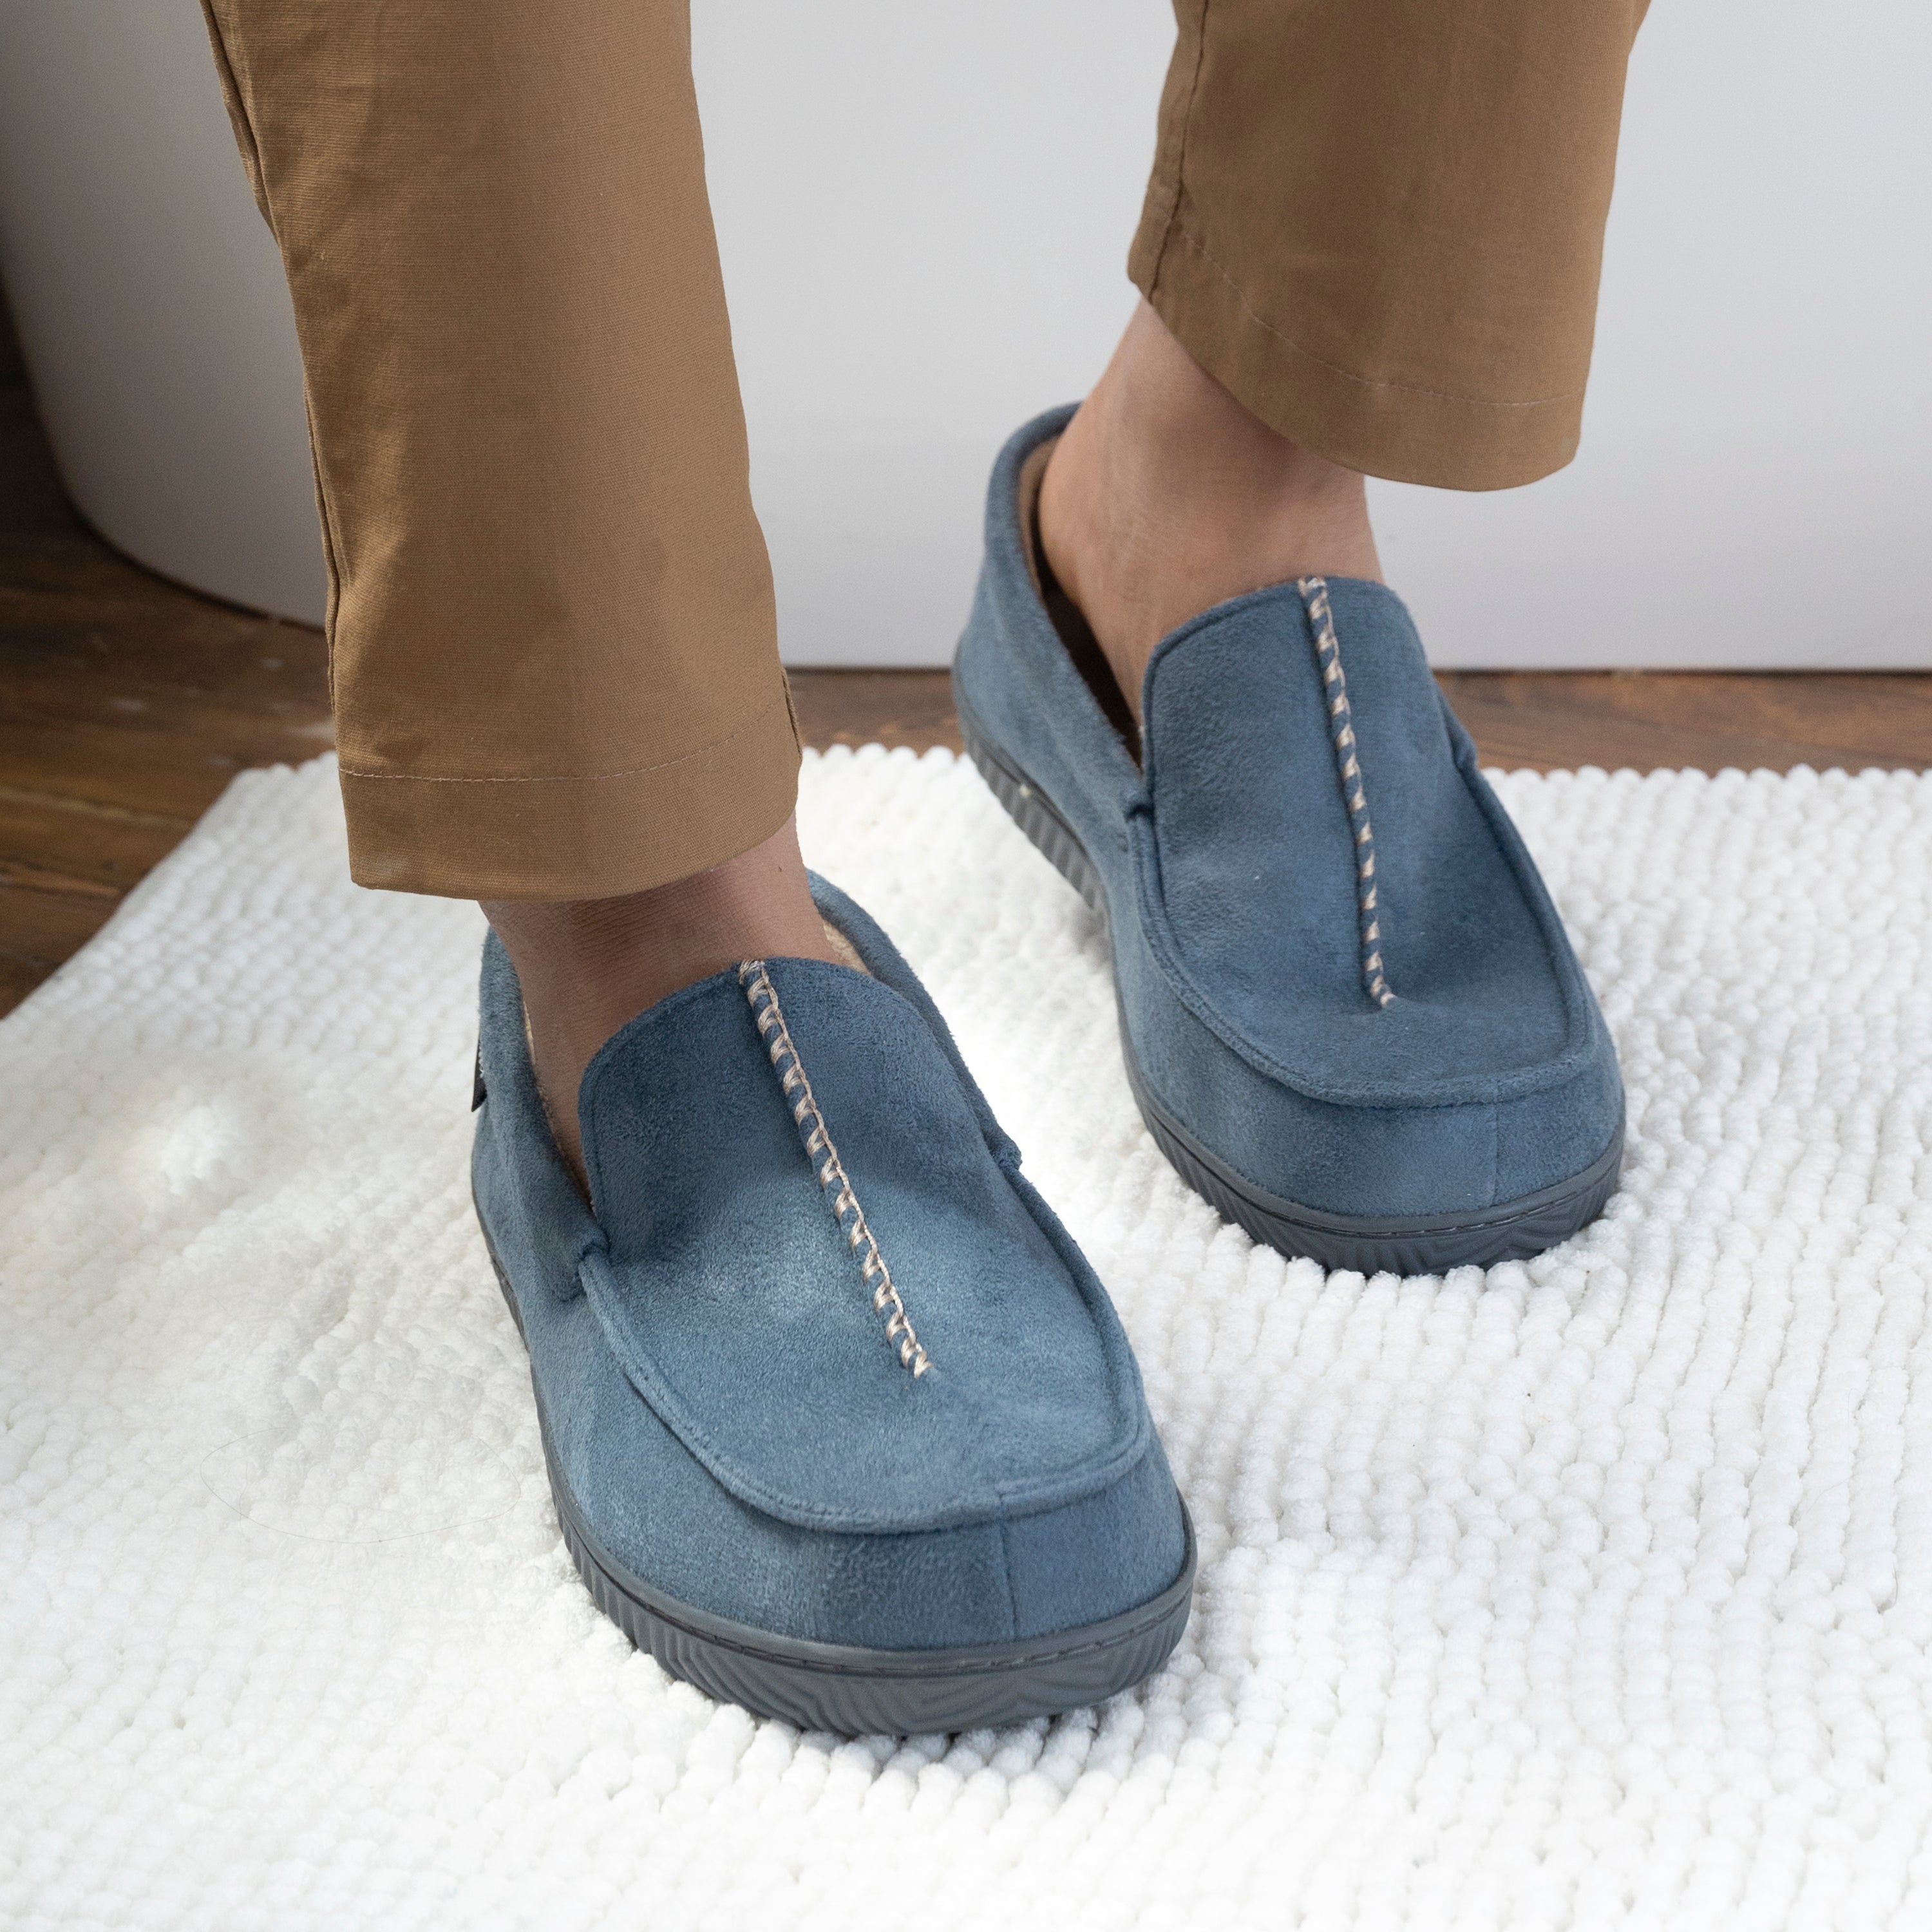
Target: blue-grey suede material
(719,1394)
(1229,866)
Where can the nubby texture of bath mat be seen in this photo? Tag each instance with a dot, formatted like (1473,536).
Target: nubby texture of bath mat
(1594,1592)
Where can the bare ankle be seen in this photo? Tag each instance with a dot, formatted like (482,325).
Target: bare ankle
(588,966)
(1165,496)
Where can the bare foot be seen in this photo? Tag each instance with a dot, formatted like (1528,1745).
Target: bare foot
(1164,496)
(588,966)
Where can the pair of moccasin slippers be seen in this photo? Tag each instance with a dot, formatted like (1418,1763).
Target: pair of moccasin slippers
(841,1424)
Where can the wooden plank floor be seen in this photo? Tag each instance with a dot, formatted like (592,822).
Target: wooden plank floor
(1550,721)
(127,702)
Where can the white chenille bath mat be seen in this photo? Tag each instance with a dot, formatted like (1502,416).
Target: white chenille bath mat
(1593,1592)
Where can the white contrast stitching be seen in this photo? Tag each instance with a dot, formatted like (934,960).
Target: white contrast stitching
(1348,771)
(824,1156)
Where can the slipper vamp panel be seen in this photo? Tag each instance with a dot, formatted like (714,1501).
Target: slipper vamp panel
(1256,888)
(736,1301)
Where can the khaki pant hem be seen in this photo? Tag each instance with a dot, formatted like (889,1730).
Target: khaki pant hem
(574,838)
(1405,432)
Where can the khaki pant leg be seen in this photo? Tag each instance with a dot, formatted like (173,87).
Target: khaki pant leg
(552,639)
(1379,223)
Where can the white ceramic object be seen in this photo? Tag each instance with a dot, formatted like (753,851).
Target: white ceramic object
(924,214)
(150,302)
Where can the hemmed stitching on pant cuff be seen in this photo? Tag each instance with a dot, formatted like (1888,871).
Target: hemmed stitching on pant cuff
(1201,248)
(582,777)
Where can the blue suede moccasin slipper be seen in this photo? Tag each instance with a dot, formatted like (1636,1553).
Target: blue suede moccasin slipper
(840,1425)
(1349,1011)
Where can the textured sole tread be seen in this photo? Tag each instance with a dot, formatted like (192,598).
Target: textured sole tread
(856,1691)
(1512,1230)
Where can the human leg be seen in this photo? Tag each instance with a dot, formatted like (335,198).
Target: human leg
(1370,246)
(1164,495)
(553,646)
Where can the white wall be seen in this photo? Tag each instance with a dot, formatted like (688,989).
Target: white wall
(925,214)
(925,211)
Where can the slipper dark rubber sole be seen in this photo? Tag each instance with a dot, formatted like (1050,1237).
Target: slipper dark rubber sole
(1393,1244)
(854,1691)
